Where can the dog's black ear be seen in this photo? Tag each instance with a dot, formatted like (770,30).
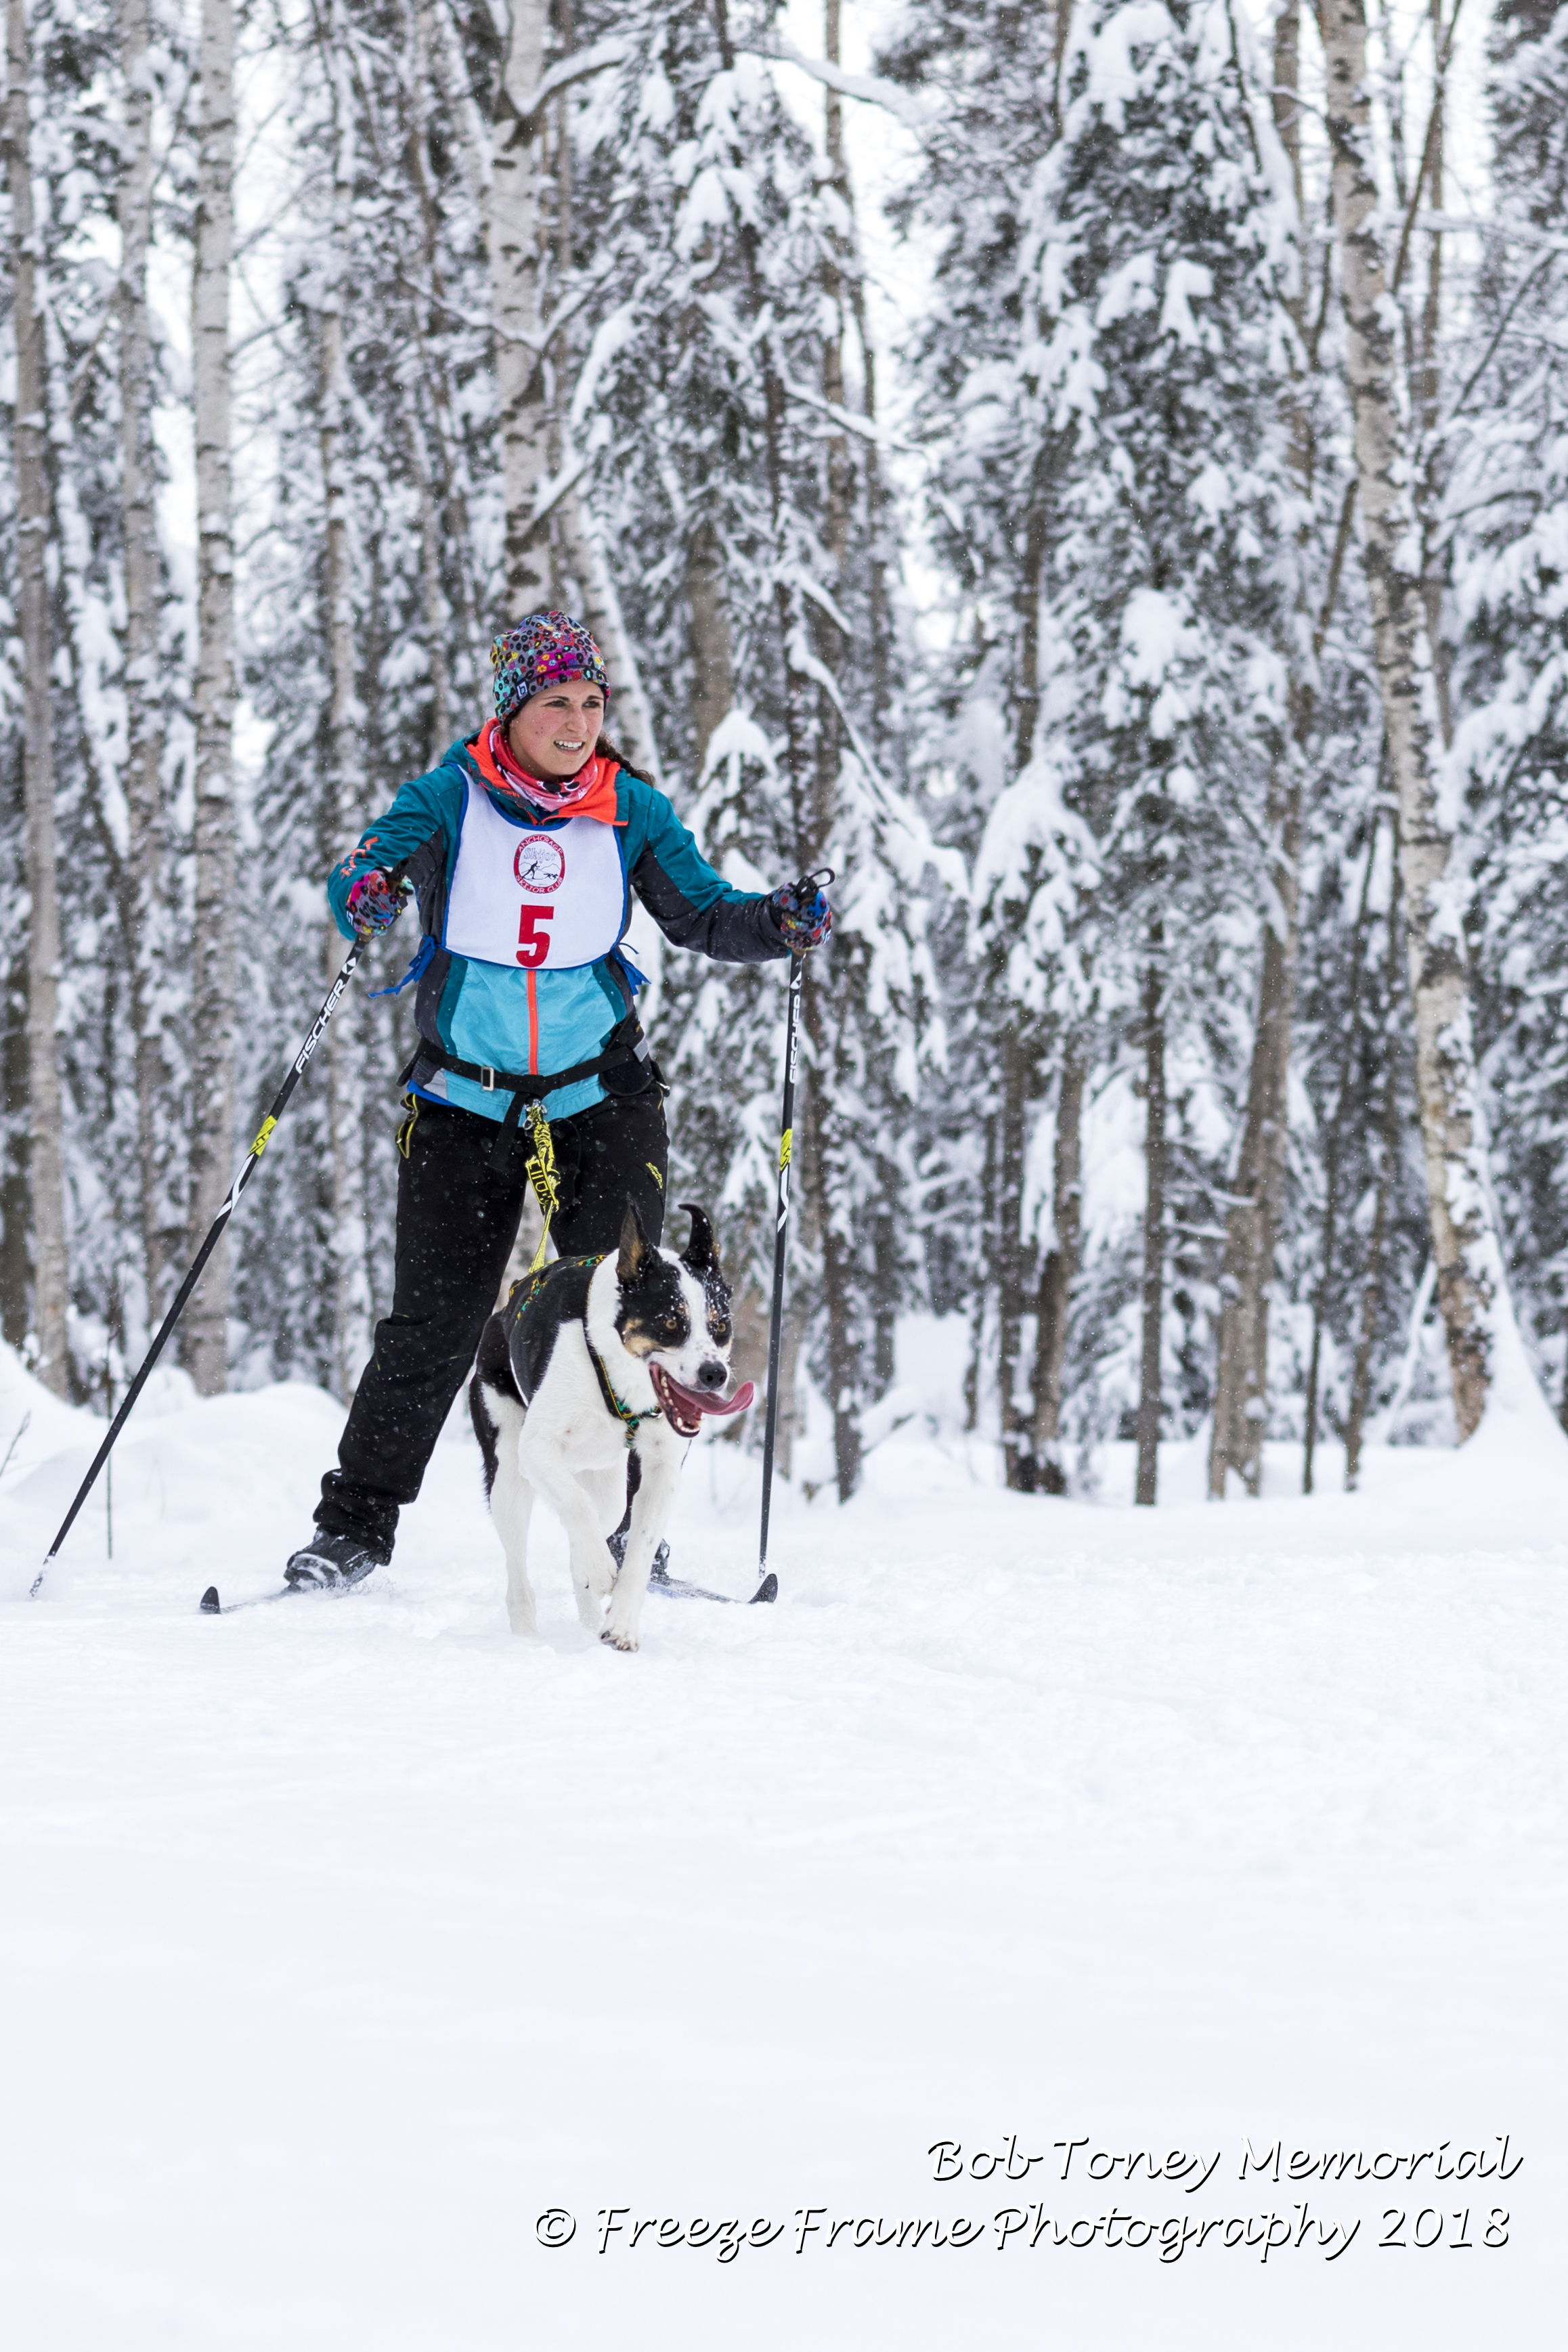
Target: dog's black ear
(635,1248)
(700,1253)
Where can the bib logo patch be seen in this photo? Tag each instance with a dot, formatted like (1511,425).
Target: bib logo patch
(539,864)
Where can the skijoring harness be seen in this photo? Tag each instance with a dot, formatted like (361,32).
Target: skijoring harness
(627,1043)
(571,1273)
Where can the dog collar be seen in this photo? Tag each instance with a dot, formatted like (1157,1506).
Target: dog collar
(630,1422)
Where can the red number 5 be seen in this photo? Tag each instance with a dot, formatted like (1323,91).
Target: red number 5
(533,944)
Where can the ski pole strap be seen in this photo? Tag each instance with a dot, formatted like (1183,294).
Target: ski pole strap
(539,1169)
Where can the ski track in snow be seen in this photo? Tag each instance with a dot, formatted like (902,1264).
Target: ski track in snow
(344,1937)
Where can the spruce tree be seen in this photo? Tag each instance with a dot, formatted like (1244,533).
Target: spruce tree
(1509,503)
(989,74)
(1122,451)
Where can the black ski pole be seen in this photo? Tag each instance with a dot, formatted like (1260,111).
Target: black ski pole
(181,1298)
(805,888)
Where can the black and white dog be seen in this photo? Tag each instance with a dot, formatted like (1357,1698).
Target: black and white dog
(589,1360)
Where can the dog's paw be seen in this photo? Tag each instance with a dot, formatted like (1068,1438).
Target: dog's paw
(618,1640)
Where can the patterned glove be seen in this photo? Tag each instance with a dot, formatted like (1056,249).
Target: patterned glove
(805,920)
(374,904)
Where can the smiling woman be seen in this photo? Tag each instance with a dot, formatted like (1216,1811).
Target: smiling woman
(554,733)
(524,848)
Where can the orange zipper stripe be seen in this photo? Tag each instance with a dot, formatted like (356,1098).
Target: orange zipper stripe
(532,1029)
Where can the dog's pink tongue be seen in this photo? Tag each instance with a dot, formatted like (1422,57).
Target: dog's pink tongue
(723,1406)
(704,1401)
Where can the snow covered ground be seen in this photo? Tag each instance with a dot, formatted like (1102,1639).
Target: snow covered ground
(342,1940)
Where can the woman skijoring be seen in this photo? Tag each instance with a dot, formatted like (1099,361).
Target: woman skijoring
(523,847)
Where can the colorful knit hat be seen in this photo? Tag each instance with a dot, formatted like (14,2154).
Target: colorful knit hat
(542,650)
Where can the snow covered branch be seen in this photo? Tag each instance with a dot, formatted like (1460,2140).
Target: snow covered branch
(869,89)
(578,67)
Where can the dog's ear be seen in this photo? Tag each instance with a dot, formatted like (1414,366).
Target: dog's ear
(635,1248)
(700,1253)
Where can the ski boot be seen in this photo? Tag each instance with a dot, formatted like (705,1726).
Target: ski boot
(659,1573)
(330,1562)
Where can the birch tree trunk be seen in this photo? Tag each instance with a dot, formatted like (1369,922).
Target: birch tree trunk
(143,584)
(419,98)
(1333,1154)
(15,1216)
(516,257)
(45,1171)
(557,360)
(1470,1285)
(1429,386)
(518,229)
(1154,1299)
(345,1041)
(1252,1225)
(212,992)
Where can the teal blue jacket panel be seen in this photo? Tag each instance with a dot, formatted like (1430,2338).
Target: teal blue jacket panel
(480,1012)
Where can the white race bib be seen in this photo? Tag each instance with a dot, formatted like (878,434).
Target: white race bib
(538,901)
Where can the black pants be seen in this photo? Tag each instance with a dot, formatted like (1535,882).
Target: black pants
(457,1218)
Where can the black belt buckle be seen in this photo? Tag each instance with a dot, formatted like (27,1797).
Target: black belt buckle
(487,1078)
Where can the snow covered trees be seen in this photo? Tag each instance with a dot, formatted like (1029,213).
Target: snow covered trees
(1129,431)
(987,79)
(213,1121)
(143,571)
(375,531)
(567,302)
(1509,505)
(1165,259)
(46,1187)
(1255,1213)
(1469,1266)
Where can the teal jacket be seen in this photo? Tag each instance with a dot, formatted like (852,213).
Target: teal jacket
(480,1012)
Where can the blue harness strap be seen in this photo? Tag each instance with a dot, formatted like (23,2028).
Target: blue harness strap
(425,950)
